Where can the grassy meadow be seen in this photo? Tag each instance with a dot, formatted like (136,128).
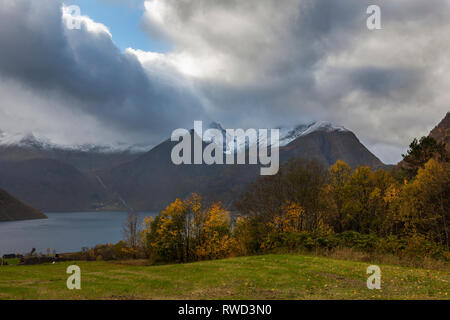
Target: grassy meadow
(276,276)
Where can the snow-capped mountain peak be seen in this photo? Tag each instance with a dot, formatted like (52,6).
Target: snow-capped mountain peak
(22,140)
(31,141)
(231,144)
(287,134)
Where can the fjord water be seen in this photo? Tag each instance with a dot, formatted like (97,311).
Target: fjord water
(63,232)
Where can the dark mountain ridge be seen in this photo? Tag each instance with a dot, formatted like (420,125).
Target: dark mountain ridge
(84,158)
(12,209)
(56,179)
(441,133)
(50,185)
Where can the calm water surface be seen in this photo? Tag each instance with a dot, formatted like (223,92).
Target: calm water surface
(63,232)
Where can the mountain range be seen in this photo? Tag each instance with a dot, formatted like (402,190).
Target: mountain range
(53,178)
(152,181)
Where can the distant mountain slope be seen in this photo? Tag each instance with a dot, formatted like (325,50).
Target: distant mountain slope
(53,178)
(85,158)
(330,146)
(441,133)
(12,209)
(60,178)
(152,181)
(50,185)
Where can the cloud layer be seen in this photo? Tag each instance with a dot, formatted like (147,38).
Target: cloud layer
(82,73)
(254,63)
(303,60)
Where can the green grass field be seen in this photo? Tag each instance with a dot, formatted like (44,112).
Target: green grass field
(284,276)
(12,261)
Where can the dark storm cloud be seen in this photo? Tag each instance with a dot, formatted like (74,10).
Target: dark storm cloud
(84,69)
(384,82)
(285,68)
(276,46)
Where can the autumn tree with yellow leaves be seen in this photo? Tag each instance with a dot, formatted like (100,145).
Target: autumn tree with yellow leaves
(424,203)
(187,230)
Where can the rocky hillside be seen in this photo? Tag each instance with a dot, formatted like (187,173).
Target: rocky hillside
(330,146)
(441,133)
(13,209)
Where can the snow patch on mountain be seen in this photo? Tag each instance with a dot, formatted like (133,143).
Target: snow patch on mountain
(29,140)
(231,144)
(287,135)
(21,140)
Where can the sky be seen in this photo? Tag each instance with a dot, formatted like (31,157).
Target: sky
(123,18)
(137,70)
